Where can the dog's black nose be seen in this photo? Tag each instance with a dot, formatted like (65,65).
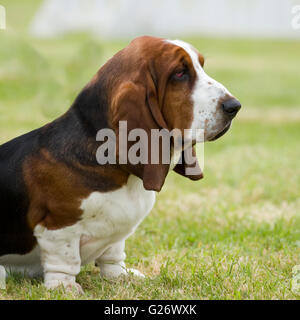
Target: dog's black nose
(231,106)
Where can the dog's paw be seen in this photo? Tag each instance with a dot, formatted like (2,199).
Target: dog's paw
(113,271)
(135,273)
(56,280)
(69,286)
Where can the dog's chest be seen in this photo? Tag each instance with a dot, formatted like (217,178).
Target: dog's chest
(113,216)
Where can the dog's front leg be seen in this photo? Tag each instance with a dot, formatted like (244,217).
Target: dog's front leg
(112,264)
(60,256)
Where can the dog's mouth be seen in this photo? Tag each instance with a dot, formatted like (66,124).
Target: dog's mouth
(221,133)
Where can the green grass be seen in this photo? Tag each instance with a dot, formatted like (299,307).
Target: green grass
(233,235)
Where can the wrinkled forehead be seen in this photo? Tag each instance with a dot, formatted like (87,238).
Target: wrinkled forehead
(196,57)
(153,48)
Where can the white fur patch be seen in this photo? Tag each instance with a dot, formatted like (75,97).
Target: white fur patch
(111,217)
(205,97)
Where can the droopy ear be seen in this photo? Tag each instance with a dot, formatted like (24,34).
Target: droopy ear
(189,166)
(137,105)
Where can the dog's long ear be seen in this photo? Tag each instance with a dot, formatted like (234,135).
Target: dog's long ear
(137,104)
(188,165)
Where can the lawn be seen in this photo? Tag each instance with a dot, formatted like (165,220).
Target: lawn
(233,235)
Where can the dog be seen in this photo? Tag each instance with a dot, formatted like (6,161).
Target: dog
(60,208)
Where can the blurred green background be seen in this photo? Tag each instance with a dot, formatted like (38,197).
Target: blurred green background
(234,235)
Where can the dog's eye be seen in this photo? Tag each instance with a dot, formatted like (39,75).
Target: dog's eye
(180,75)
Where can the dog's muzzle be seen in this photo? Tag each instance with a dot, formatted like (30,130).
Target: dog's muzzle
(230,108)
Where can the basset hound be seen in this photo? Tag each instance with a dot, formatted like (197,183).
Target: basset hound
(60,208)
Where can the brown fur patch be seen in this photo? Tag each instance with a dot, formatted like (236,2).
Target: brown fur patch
(56,190)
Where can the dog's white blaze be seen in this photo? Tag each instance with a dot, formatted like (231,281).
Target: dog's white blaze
(205,97)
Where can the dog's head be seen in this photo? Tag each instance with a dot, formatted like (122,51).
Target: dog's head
(160,84)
